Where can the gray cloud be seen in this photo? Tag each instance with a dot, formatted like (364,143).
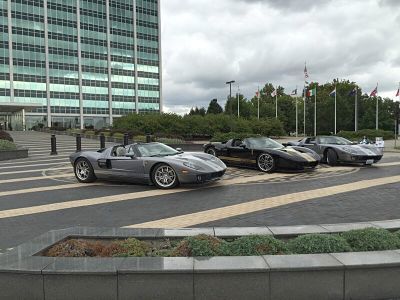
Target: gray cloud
(206,43)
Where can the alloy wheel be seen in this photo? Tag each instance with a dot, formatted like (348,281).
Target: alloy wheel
(165,176)
(265,162)
(82,170)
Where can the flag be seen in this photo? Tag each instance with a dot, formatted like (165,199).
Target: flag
(258,94)
(353,92)
(305,71)
(398,93)
(274,93)
(312,92)
(374,92)
(333,93)
(294,92)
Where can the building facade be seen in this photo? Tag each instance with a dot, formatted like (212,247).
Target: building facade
(78,63)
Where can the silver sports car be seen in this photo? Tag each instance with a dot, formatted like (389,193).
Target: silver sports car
(334,149)
(152,163)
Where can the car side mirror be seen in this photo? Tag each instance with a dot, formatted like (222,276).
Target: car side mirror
(131,155)
(179,149)
(243,146)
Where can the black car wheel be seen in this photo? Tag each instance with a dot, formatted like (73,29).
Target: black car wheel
(212,151)
(331,157)
(265,162)
(84,171)
(164,177)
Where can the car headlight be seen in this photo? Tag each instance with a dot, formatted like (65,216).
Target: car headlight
(191,165)
(350,150)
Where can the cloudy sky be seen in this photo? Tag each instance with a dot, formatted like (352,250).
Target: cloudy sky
(208,42)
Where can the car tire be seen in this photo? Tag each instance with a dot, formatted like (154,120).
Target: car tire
(331,157)
(211,151)
(83,170)
(266,163)
(164,177)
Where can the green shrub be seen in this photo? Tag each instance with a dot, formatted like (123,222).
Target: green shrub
(106,133)
(200,245)
(118,135)
(371,239)
(318,243)
(90,132)
(7,145)
(133,247)
(166,125)
(5,136)
(170,141)
(255,245)
(371,134)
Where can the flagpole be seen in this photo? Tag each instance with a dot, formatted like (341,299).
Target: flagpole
(297,114)
(335,110)
(315,112)
(238,101)
(304,100)
(276,102)
(396,123)
(356,111)
(377,109)
(258,104)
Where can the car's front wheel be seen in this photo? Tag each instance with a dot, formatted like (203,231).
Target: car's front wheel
(84,171)
(265,162)
(164,177)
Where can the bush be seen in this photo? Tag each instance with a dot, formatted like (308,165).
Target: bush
(189,125)
(131,247)
(371,239)
(223,137)
(371,134)
(318,243)
(90,132)
(5,136)
(7,145)
(200,245)
(255,245)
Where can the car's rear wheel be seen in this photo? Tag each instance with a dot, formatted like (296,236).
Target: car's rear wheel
(212,151)
(265,162)
(331,157)
(164,177)
(84,171)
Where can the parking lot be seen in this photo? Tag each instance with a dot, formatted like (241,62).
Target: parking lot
(40,194)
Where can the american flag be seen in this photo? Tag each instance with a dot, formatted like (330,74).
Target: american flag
(294,92)
(398,93)
(374,92)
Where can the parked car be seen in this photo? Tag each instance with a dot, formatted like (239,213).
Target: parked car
(263,153)
(335,149)
(153,163)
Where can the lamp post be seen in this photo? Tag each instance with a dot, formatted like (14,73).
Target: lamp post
(230,87)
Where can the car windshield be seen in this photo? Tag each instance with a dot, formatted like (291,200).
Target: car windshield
(156,149)
(335,140)
(262,142)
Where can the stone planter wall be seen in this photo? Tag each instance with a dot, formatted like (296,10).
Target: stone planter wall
(361,275)
(13,154)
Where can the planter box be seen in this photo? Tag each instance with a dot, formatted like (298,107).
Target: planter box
(13,154)
(362,275)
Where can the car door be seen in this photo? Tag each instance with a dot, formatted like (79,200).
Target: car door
(311,143)
(129,167)
(239,152)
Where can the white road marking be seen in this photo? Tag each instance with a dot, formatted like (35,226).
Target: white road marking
(47,188)
(32,171)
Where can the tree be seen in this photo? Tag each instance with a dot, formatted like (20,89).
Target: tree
(197,111)
(214,107)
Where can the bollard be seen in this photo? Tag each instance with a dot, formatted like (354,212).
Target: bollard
(126,139)
(148,138)
(102,141)
(78,143)
(53,145)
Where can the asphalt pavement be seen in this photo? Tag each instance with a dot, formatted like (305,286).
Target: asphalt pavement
(40,193)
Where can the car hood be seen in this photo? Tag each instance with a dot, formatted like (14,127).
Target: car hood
(359,149)
(205,161)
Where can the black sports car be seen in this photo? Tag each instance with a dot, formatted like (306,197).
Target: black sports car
(263,153)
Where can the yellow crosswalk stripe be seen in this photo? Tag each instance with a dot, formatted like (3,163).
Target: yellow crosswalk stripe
(261,204)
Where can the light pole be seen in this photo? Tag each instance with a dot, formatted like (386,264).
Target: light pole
(230,87)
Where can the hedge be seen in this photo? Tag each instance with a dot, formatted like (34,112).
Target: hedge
(7,145)
(172,125)
(371,134)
